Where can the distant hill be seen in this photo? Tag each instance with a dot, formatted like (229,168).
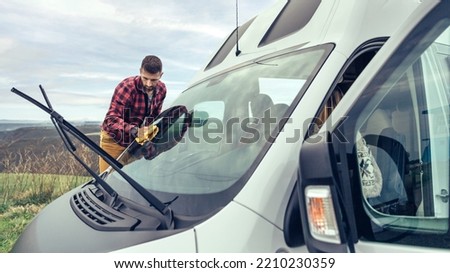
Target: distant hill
(37,147)
(9,125)
(41,131)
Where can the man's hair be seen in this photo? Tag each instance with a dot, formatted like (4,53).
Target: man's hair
(152,64)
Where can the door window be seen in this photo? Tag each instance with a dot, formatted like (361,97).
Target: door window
(403,149)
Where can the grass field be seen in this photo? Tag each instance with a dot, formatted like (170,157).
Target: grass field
(23,195)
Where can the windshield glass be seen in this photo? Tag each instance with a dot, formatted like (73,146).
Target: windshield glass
(206,148)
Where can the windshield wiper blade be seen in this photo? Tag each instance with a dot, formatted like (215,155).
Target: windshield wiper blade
(71,148)
(64,126)
(70,128)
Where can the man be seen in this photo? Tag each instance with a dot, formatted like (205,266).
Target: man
(136,101)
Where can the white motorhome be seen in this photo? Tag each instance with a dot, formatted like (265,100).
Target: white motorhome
(317,126)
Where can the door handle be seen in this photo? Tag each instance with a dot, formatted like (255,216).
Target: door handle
(444,195)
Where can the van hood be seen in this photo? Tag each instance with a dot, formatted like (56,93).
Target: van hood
(57,229)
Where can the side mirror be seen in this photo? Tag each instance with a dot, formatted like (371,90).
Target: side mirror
(323,216)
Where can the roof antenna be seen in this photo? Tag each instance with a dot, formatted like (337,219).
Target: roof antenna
(237,29)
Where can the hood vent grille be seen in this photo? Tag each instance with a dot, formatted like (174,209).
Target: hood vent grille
(98,215)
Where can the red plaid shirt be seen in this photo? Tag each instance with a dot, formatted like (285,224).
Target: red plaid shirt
(129,107)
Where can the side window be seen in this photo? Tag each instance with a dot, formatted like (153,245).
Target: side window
(403,151)
(349,75)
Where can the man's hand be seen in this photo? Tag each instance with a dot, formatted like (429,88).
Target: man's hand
(146,133)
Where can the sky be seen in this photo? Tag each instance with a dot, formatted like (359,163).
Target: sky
(79,50)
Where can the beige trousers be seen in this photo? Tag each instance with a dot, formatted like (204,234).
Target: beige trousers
(108,144)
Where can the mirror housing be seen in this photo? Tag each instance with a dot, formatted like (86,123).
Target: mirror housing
(321,208)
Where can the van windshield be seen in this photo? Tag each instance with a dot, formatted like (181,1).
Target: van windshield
(204,154)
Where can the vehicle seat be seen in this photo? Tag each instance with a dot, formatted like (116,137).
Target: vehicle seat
(259,104)
(278,110)
(391,157)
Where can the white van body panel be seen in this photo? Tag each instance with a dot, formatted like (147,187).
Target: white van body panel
(183,242)
(226,232)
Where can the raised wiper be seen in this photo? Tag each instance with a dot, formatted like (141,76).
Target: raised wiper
(71,148)
(64,126)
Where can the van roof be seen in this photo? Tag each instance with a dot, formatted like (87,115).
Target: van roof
(293,24)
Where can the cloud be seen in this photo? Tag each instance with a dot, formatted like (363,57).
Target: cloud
(83,48)
(63,99)
(6,44)
(92,75)
(80,9)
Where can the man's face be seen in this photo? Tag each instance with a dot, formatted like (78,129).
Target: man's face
(150,80)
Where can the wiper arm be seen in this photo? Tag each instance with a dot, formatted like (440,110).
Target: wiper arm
(64,126)
(70,128)
(71,148)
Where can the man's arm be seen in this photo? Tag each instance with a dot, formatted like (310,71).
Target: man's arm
(114,120)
